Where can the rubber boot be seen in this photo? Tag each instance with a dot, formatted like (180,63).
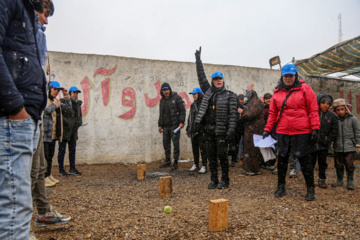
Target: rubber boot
(310,195)
(340,176)
(280,191)
(175,166)
(350,180)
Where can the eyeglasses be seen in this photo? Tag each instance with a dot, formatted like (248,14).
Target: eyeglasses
(289,75)
(217,79)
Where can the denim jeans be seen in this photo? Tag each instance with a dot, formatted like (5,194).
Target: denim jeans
(61,154)
(241,146)
(18,142)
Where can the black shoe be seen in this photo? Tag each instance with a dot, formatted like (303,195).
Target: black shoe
(339,178)
(310,195)
(165,164)
(212,185)
(233,164)
(222,185)
(322,183)
(63,173)
(74,172)
(174,167)
(280,191)
(350,180)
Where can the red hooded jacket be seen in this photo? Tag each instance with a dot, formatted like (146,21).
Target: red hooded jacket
(300,116)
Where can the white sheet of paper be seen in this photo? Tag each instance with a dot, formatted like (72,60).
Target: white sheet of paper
(264,143)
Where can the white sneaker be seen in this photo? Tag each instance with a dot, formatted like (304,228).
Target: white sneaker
(53,179)
(202,170)
(293,173)
(193,168)
(49,183)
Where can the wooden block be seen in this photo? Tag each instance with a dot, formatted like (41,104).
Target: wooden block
(218,215)
(141,171)
(166,186)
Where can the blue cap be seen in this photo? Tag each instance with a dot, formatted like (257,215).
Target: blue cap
(289,69)
(55,84)
(74,89)
(165,88)
(217,74)
(196,90)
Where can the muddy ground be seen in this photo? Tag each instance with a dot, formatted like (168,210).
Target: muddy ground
(108,202)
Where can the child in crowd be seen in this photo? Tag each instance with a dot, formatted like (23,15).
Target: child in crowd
(345,144)
(267,99)
(327,135)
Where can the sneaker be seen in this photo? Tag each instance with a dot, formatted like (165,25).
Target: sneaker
(275,171)
(165,164)
(293,173)
(233,164)
(202,170)
(49,183)
(52,217)
(53,179)
(310,195)
(63,173)
(322,183)
(74,172)
(193,168)
(222,185)
(212,185)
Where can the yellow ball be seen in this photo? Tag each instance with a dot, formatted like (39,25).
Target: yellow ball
(167,209)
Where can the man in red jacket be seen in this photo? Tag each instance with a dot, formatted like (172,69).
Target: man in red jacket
(295,110)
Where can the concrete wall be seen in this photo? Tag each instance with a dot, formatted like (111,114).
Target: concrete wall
(121,100)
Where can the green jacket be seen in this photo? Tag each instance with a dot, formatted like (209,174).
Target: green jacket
(72,119)
(348,134)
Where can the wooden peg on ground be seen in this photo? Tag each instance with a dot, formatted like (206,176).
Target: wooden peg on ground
(141,171)
(166,186)
(218,215)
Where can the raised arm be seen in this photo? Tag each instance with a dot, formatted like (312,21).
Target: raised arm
(203,82)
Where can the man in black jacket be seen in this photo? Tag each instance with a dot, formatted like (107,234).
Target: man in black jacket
(218,110)
(172,116)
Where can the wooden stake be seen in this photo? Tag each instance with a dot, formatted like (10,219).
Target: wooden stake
(218,215)
(166,186)
(141,171)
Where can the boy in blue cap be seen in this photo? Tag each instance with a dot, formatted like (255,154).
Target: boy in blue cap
(72,120)
(197,135)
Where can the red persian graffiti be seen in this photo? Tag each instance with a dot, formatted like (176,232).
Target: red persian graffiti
(341,94)
(349,98)
(358,103)
(128,92)
(186,97)
(250,87)
(152,102)
(86,86)
(105,88)
(104,71)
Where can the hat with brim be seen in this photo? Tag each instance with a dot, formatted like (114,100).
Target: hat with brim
(55,84)
(196,90)
(289,69)
(74,89)
(217,74)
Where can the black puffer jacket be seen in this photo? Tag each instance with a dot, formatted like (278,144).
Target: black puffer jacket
(328,124)
(217,108)
(177,108)
(194,110)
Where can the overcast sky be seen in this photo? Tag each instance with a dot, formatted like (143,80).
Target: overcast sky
(231,32)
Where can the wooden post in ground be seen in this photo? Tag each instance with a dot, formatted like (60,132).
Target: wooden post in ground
(141,171)
(218,215)
(166,186)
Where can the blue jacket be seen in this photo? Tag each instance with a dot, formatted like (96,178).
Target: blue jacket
(22,80)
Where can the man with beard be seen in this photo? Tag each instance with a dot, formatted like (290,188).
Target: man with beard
(22,100)
(172,116)
(218,111)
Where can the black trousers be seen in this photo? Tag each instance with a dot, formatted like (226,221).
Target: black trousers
(168,136)
(321,156)
(307,168)
(217,148)
(198,142)
(49,150)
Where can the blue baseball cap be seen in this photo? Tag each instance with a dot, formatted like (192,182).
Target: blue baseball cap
(217,74)
(74,89)
(165,88)
(55,84)
(289,69)
(196,90)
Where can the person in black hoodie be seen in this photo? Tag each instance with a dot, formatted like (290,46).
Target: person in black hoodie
(172,115)
(218,111)
(328,132)
(198,139)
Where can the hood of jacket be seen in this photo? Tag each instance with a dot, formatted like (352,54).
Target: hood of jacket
(322,95)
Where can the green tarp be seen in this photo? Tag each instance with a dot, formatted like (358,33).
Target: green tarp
(344,57)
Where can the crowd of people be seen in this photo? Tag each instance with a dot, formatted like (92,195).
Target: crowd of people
(222,126)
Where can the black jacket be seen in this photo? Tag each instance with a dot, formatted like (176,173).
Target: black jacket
(177,108)
(218,106)
(22,80)
(328,125)
(194,110)
(72,119)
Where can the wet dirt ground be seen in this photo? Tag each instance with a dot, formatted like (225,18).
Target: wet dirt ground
(108,202)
